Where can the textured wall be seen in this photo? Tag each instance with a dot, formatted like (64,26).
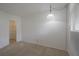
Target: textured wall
(51,32)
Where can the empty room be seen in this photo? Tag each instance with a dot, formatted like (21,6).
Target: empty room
(39,29)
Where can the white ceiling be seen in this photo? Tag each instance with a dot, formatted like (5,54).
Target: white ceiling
(22,9)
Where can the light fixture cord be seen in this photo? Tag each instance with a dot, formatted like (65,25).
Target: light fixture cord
(53,9)
(50,9)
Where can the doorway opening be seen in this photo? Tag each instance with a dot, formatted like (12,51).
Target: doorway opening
(12,29)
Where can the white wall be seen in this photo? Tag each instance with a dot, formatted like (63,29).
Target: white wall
(73,29)
(38,29)
(4,28)
(69,27)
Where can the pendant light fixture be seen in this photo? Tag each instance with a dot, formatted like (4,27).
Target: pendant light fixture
(50,11)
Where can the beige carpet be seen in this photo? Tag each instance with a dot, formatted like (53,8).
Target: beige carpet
(27,49)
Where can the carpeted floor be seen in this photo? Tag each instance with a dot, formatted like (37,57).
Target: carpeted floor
(27,49)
